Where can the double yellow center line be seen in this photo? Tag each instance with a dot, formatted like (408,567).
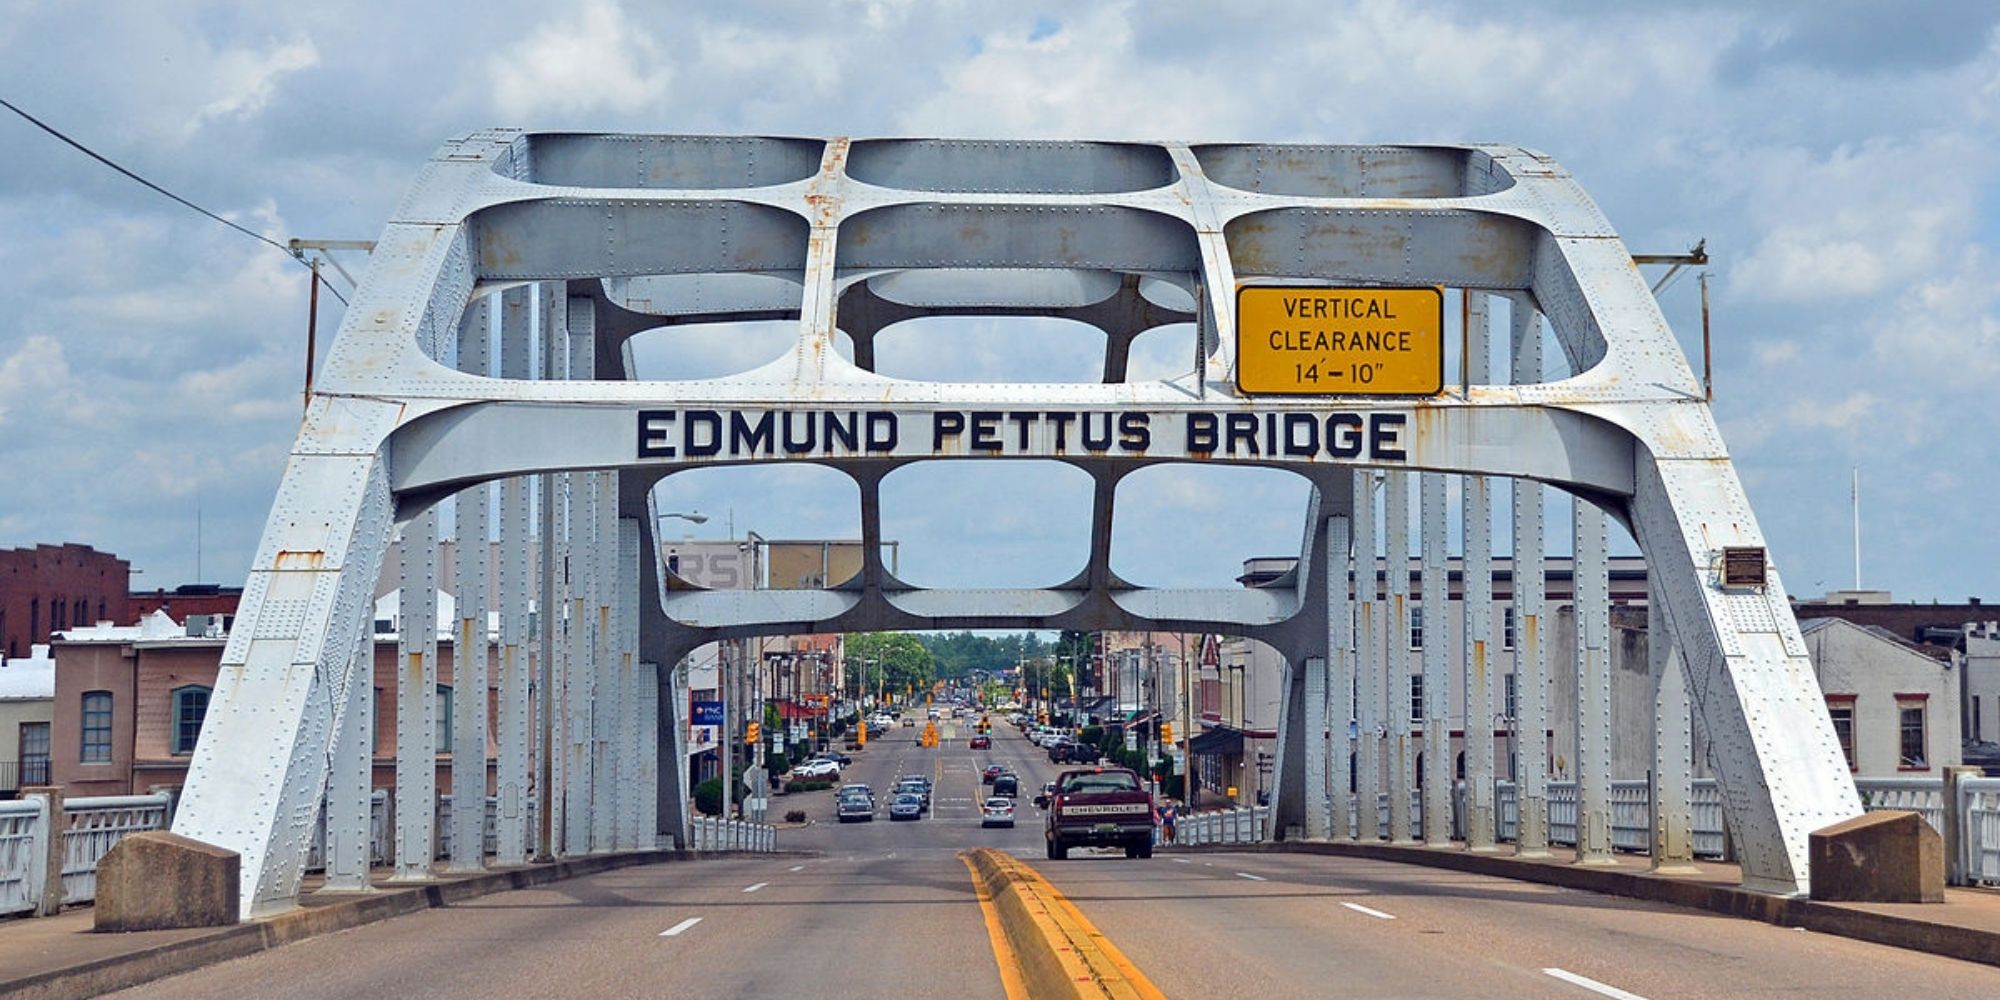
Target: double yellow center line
(1045,947)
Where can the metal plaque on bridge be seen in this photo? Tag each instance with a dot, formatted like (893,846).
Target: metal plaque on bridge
(1340,341)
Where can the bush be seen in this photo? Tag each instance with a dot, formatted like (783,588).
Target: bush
(807,786)
(708,797)
(795,816)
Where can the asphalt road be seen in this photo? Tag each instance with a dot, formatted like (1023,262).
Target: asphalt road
(886,908)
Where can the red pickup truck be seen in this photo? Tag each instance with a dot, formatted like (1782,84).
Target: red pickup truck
(1098,807)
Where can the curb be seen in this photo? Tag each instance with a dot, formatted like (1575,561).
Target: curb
(1058,954)
(146,965)
(1969,944)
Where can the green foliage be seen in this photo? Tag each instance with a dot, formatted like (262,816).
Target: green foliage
(900,661)
(815,785)
(795,816)
(708,797)
(959,654)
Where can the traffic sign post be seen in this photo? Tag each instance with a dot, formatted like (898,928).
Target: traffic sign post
(1340,341)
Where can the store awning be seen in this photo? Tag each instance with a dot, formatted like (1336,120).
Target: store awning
(1219,742)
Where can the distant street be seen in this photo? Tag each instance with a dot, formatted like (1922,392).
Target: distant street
(887,909)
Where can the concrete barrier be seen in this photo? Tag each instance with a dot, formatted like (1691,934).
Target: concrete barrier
(1047,949)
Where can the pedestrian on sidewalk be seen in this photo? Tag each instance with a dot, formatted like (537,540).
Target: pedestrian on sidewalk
(1167,816)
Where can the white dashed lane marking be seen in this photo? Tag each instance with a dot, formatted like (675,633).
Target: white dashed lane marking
(676,929)
(1592,985)
(754,888)
(1253,878)
(1377,914)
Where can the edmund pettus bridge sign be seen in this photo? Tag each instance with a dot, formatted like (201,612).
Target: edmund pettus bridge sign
(483,366)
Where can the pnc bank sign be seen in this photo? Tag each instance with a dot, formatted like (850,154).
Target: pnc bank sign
(1299,435)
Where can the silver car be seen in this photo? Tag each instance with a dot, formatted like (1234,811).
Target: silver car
(906,806)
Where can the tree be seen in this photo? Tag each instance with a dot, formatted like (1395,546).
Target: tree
(900,661)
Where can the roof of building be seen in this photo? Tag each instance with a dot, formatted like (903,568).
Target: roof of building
(154,627)
(1809,626)
(28,678)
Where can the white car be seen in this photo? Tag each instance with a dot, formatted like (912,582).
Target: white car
(997,811)
(817,769)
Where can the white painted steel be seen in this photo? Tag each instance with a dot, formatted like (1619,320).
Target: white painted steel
(1672,822)
(347,820)
(511,714)
(1437,772)
(1529,590)
(416,701)
(390,431)
(1592,575)
(23,828)
(1340,577)
(1315,739)
(1402,755)
(471,525)
(1368,663)
(1482,679)
(630,834)
(1980,806)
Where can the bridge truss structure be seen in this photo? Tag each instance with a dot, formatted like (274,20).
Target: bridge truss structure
(543,437)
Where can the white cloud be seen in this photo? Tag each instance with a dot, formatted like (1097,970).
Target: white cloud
(590,60)
(36,385)
(244,80)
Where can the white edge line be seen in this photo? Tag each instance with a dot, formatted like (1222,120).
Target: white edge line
(1253,878)
(754,888)
(676,929)
(1377,914)
(1591,984)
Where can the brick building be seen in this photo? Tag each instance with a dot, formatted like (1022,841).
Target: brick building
(48,588)
(130,701)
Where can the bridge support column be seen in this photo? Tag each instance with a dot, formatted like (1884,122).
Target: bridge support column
(1340,675)
(579,668)
(1315,747)
(468,655)
(416,701)
(1435,607)
(1402,753)
(1368,664)
(511,736)
(350,785)
(1529,590)
(1673,745)
(1482,710)
(626,742)
(1592,589)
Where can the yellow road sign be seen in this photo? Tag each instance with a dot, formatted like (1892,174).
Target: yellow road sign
(1340,341)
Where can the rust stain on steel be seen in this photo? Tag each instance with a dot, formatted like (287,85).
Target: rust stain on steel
(289,559)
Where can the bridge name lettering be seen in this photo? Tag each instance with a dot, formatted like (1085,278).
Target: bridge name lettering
(1300,434)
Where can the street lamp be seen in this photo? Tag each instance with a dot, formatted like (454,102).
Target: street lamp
(692,517)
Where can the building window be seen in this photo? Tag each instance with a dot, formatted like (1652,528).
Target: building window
(96,727)
(444,718)
(1914,754)
(56,622)
(1841,708)
(1417,697)
(1507,629)
(1416,628)
(34,621)
(82,612)
(190,707)
(34,753)
(1509,686)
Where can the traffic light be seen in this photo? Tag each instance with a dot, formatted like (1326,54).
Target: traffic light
(753,733)
(1166,732)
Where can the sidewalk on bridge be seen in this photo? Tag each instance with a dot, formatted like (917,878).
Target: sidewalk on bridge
(1965,926)
(61,956)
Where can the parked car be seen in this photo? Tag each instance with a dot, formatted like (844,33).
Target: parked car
(834,755)
(981,743)
(816,769)
(907,805)
(997,811)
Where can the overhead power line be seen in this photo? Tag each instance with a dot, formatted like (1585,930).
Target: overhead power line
(107,161)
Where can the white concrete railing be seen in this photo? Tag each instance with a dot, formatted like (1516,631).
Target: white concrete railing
(1979,805)
(24,826)
(711,833)
(91,826)
(1240,825)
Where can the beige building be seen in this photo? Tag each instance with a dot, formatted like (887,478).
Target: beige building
(1894,706)
(27,706)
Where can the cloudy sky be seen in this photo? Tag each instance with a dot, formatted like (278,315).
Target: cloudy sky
(1841,158)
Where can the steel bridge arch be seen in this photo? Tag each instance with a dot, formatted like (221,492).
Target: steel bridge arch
(690,229)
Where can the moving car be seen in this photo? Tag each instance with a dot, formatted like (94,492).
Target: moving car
(1099,807)
(1007,784)
(909,722)
(907,805)
(981,743)
(992,771)
(997,811)
(855,807)
(918,788)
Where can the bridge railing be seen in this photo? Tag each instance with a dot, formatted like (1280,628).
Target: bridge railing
(90,827)
(713,833)
(1240,825)
(24,826)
